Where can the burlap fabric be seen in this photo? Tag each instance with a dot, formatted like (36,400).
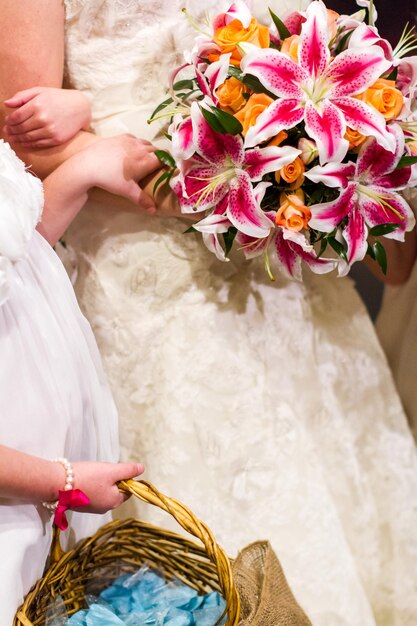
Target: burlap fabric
(266,598)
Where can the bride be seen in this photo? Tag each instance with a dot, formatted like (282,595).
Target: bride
(268,408)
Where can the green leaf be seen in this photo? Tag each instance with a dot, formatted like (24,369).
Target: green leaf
(221,121)
(338,248)
(250,81)
(162,106)
(393,75)
(162,179)
(383,229)
(212,120)
(190,230)
(342,42)
(281,28)
(188,83)
(405,161)
(370,252)
(229,238)
(165,157)
(380,256)
(323,247)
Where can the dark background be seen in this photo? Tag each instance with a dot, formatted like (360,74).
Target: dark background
(392,17)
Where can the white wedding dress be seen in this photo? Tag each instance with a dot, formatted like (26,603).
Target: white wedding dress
(267,408)
(54,398)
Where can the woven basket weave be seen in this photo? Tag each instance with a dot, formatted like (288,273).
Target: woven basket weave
(123,546)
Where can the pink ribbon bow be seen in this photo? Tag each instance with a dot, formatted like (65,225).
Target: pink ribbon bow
(71,499)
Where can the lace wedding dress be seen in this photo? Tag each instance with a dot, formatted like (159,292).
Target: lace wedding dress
(267,408)
(54,398)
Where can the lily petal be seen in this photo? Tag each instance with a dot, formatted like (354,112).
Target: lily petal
(327,128)
(208,143)
(332,174)
(366,120)
(355,234)
(233,148)
(182,140)
(216,73)
(314,53)
(243,211)
(195,192)
(261,161)
(374,161)
(276,71)
(279,115)
(354,70)
(212,243)
(328,215)
(390,209)
(289,261)
(239,11)
(364,36)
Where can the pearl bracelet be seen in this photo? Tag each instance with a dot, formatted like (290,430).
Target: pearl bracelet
(69,481)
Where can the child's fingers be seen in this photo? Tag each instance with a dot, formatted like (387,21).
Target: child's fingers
(21,97)
(40,143)
(30,136)
(20,115)
(124,471)
(30,125)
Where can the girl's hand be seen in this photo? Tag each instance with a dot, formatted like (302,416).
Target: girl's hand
(98,482)
(44,117)
(117,164)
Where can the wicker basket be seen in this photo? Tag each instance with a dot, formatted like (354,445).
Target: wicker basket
(123,546)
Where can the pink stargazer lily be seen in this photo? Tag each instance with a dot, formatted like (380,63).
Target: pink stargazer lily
(220,175)
(369,196)
(287,248)
(318,90)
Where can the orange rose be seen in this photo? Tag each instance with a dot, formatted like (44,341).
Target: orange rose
(293,213)
(384,97)
(354,137)
(256,104)
(227,37)
(231,95)
(290,47)
(293,171)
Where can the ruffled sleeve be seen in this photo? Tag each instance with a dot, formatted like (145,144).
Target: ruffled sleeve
(21,202)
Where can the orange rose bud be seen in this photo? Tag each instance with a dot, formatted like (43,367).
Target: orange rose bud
(384,97)
(354,137)
(291,172)
(230,95)
(227,37)
(293,213)
(256,104)
(290,47)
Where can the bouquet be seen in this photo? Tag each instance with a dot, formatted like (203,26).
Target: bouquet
(294,141)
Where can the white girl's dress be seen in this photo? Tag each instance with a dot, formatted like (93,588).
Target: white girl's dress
(268,408)
(54,399)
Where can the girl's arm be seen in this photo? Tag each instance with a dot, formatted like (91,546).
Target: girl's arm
(35,480)
(43,117)
(114,164)
(32,54)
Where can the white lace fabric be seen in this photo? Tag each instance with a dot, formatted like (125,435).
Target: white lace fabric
(267,408)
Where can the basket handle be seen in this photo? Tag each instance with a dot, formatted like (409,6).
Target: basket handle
(148,493)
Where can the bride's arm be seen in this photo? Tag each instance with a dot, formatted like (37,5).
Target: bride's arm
(32,54)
